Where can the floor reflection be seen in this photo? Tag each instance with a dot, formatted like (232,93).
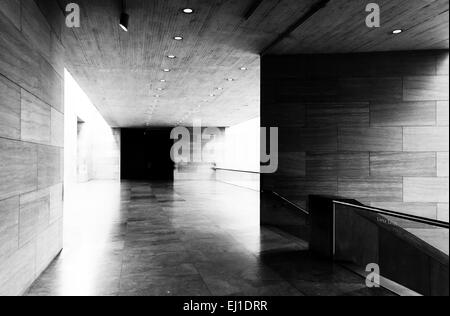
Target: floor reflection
(183,238)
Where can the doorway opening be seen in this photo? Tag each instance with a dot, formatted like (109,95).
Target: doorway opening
(146,155)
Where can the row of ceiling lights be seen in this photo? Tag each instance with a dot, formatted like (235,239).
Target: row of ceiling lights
(167,70)
(124,21)
(152,109)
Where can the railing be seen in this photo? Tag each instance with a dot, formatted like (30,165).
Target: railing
(241,178)
(292,204)
(235,170)
(409,250)
(275,194)
(417,219)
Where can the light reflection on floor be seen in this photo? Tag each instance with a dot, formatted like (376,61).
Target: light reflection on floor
(93,223)
(183,238)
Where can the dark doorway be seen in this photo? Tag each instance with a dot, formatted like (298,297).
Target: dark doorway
(146,155)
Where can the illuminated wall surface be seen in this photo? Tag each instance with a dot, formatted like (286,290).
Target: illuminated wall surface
(31,145)
(240,151)
(241,147)
(236,148)
(92,149)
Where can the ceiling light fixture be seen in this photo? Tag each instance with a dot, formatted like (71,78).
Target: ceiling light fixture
(395,32)
(171,56)
(178,38)
(243,68)
(162,80)
(124,17)
(160,89)
(230,79)
(188,11)
(219,88)
(166,70)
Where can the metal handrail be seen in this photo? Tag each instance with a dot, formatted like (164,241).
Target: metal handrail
(417,219)
(235,170)
(298,207)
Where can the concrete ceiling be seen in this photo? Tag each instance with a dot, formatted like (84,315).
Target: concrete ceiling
(121,72)
(340,27)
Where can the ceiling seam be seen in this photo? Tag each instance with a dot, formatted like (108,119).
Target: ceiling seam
(311,12)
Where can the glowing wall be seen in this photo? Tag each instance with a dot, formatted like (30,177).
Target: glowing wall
(92,150)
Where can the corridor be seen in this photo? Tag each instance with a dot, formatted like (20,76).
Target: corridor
(194,238)
(224,148)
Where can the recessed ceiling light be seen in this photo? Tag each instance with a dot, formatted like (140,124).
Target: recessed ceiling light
(162,80)
(188,11)
(219,88)
(243,68)
(397,31)
(178,38)
(230,79)
(171,56)
(160,89)
(166,70)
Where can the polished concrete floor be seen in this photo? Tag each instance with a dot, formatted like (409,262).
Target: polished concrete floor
(183,238)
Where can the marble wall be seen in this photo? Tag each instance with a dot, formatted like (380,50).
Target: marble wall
(372,127)
(31,142)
